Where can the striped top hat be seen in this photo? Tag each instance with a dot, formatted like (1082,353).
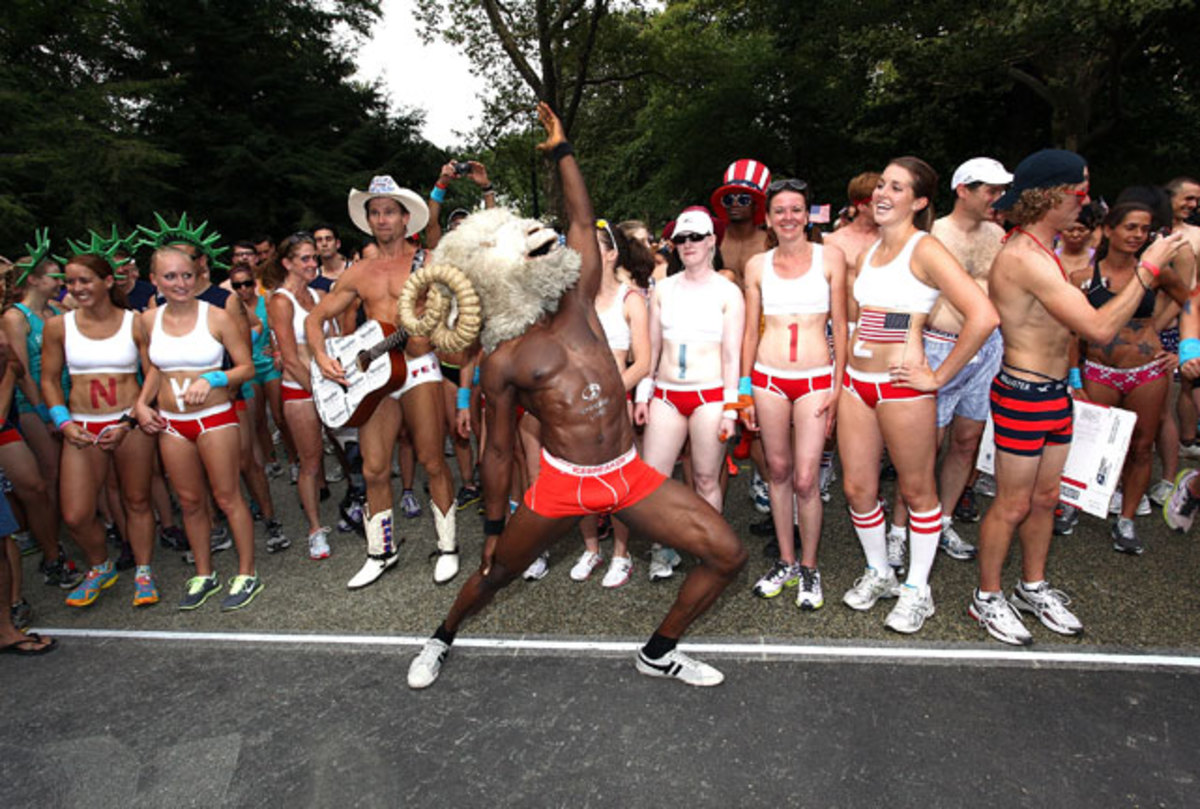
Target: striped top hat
(744,176)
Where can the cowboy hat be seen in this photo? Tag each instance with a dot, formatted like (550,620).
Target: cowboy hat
(384,186)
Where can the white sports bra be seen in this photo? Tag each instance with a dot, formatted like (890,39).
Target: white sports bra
(196,351)
(616,329)
(805,295)
(691,315)
(299,313)
(893,286)
(117,354)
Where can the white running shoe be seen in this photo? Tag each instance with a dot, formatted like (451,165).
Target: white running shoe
(663,562)
(1114,505)
(870,587)
(911,610)
(985,485)
(779,576)
(809,595)
(426,666)
(999,618)
(538,570)
(954,546)
(619,570)
(587,563)
(897,540)
(1049,605)
(825,478)
(318,544)
(1160,491)
(679,666)
(760,493)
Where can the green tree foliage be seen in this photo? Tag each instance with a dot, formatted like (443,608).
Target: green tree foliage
(241,113)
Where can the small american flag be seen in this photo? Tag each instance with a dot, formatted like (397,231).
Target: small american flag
(883,327)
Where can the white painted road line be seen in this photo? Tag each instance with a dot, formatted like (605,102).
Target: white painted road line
(743,650)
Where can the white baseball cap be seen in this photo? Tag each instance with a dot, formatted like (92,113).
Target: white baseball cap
(693,221)
(980,170)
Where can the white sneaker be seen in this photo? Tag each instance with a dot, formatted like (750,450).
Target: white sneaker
(426,666)
(910,612)
(538,570)
(869,588)
(619,570)
(986,485)
(779,576)
(587,563)
(809,595)
(999,618)
(1114,505)
(1049,605)
(663,562)
(825,478)
(295,473)
(760,494)
(1143,509)
(897,540)
(954,546)
(1160,491)
(679,666)
(318,544)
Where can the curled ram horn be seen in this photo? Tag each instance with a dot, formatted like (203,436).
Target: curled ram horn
(441,284)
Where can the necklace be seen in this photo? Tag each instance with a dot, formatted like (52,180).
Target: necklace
(1038,242)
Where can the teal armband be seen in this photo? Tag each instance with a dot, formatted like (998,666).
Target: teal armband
(1075,380)
(463,401)
(60,415)
(744,388)
(1189,349)
(43,412)
(475,377)
(215,379)
(438,194)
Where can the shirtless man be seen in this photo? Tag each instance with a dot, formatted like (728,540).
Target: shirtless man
(329,248)
(972,238)
(554,361)
(862,232)
(1039,310)
(1185,196)
(741,203)
(390,214)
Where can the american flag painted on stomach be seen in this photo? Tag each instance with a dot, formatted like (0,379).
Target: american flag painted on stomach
(883,327)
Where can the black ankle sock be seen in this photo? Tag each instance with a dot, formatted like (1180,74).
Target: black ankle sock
(444,635)
(658,646)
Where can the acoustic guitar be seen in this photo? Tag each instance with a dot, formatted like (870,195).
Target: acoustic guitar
(373,358)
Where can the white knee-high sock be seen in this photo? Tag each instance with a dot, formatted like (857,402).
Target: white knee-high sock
(869,528)
(924,531)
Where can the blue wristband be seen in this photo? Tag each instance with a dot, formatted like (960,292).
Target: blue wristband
(475,378)
(438,194)
(464,399)
(744,388)
(60,415)
(1189,349)
(43,412)
(1074,379)
(215,379)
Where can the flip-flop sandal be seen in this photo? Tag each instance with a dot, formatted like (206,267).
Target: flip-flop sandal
(32,637)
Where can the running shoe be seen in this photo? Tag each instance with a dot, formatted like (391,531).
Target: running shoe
(21,614)
(1190,450)
(98,578)
(220,539)
(1115,503)
(760,494)
(1180,508)
(273,470)
(619,571)
(870,587)
(779,576)
(60,572)
(197,590)
(335,475)
(663,562)
(825,479)
(242,590)
(675,664)
(466,496)
(1143,509)
(1159,492)
(1066,517)
(172,538)
(145,592)
(1049,605)
(538,570)
(318,544)
(967,509)
(276,540)
(26,544)
(294,472)
(425,667)
(954,546)
(351,509)
(913,607)
(897,542)
(1125,538)
(588,562)
(809,596)
(1000,619)
(409,505)
(986,485)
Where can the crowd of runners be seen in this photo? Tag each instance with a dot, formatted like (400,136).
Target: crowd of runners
(155,390)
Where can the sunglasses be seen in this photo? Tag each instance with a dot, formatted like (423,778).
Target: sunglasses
(1081,193)
(241,284)
(730,200)
(799,186)
(689,237)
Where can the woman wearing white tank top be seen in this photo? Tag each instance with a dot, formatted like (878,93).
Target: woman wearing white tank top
(291,299)
(795,289)
(99,344)
(196,422)
(889,388)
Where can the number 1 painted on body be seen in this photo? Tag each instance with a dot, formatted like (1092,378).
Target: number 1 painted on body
(794,328)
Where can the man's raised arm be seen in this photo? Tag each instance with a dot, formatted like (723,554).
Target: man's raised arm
(581,219)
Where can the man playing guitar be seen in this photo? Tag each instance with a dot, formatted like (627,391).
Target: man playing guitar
(390,214)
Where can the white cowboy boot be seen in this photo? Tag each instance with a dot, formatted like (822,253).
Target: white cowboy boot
(381,550)
(446,567)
